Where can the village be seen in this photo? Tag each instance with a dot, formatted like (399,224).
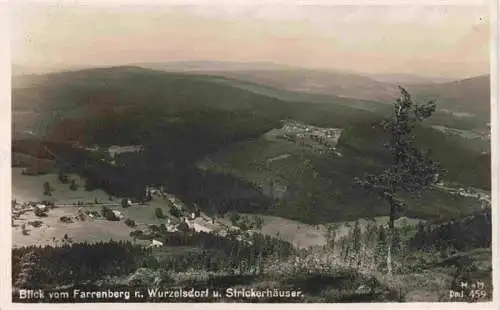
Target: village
(319,139)
(145,222)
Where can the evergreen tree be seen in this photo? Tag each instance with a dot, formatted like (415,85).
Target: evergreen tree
(130,222)
(149,197)
(235,217)
(259,222)
(47,189)
(108,214)
(397,240)
(411,170)
(74,185)
(368,233)
(381,245)
(159,213)
(63,177)
(175,211)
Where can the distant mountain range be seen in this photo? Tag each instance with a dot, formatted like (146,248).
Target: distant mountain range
(408,79)
(217,66)
(466,97)
(301,80)
(204,65)
(470,95)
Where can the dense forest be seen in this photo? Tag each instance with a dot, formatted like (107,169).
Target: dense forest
(214,192)
(39,267)
(83,262)
(457,235)
(324,191)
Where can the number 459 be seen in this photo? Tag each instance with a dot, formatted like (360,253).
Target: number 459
(477,294)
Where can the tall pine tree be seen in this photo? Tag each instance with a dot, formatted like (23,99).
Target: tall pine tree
(411,170)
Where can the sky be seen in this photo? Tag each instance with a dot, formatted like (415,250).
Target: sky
(440,41)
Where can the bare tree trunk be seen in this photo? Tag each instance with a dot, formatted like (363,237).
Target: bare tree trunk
(391,239)
(389,257)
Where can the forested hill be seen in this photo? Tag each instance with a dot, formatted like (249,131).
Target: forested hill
(471,96)
(463,164)
(76,104)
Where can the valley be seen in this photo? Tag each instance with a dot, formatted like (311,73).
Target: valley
(212,179)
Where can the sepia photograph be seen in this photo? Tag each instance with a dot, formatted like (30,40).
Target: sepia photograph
(257,153)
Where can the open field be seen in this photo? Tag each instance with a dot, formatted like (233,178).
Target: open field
(52,231)
(303,235)
(26,188)
(29,188)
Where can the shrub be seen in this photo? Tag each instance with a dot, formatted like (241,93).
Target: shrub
(38,212)
(47,189)
(130,223)
(175,212)
(159,213)
(66,219)
(259,222)
(183,227)
(109,215)
(136,233)
(73,186)
(88,186)
(24,230)
(63,178)
(244,225)
(235,217)
(139,234)
(154,228)
(35,223)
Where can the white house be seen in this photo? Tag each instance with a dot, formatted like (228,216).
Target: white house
(41,207)
(156,244)
(172,228)
(222,233)
(234,228)
(199,228)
